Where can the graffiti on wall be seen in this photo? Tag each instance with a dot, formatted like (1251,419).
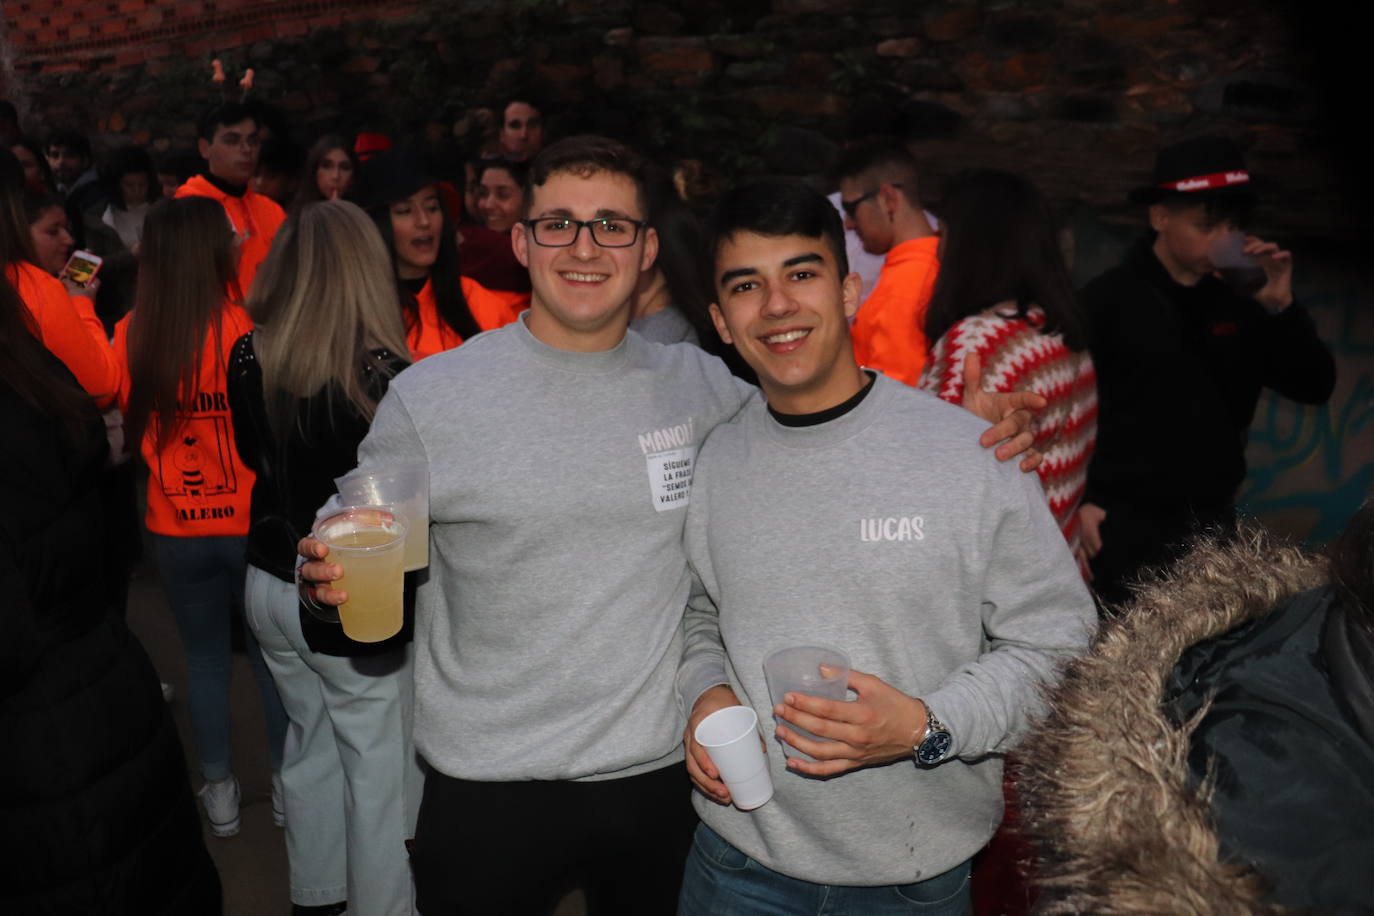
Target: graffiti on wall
(1311,467)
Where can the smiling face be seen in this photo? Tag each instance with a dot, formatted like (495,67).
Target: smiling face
(582,292)
(783,304)
(522,131)
(233,153)
(52,240)
(334,174)
(415,226)
(499,199)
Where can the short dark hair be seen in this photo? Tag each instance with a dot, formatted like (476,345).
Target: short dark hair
(1219,206)
(528,98)
(127,160)
(518,171)
(8,112)
(885,159)
(73,140)
(585,155)
(36,203)
(776,207)
(226,115)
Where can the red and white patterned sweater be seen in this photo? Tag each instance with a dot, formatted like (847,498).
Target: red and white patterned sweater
(1017,357)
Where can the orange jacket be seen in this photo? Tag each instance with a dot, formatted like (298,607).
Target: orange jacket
(197,486)
(254,217)
(888,332)
(491,309)
(68,327)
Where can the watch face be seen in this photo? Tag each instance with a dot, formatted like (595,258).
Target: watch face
(934,748)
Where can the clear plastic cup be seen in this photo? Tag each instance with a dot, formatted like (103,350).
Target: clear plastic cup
(367,542)
(798,670)
(405,487)
(731,738)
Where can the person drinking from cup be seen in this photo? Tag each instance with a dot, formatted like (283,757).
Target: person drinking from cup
(548,635)
(939,572)
(1181,358)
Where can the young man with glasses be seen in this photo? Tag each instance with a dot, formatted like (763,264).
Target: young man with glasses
(878,196)
(229,144)
(548,634)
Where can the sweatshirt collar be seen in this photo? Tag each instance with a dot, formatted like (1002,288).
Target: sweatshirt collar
(601,362)
(862,410)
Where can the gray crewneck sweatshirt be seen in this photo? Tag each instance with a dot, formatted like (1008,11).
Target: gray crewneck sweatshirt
(548,633)
(890,533)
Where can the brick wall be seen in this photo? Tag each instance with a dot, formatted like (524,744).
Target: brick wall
(1079,93)
(75,35)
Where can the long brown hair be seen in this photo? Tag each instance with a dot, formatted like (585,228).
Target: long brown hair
(323,300)
(16,242)
(25,365)
(186,264)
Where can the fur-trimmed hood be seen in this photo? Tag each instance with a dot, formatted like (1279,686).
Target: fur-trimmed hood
(1118,824)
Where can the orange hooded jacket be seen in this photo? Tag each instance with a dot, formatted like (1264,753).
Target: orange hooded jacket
(197,486)
(68,327)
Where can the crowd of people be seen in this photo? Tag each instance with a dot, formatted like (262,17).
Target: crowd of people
(658,448)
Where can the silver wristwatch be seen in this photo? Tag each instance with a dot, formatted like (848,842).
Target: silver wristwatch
(934,747)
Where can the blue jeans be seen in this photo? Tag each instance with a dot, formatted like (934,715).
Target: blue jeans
(722,881)
(204,581)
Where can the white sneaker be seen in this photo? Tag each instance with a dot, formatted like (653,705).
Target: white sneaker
(278,802)
(221,800)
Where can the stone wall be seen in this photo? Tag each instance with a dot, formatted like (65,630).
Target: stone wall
(1077,92)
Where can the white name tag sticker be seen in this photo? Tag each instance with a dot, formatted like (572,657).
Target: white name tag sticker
(670,477)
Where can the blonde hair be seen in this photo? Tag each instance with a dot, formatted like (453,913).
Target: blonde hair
(323,300)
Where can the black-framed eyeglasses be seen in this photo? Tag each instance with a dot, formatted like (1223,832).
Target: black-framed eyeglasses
(562,231)
(851,206)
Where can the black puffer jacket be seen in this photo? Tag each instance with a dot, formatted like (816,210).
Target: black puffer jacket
(96,812)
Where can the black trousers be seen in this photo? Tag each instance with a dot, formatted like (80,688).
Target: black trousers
(517,847)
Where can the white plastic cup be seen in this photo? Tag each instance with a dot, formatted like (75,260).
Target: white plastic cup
(798,670)
(405,487)
(731,738)
(1240,271)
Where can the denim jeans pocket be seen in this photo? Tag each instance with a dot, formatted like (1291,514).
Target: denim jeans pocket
(938,891)
(708,844)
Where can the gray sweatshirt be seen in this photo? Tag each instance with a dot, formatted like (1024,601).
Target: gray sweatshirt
(548,633)
(889,533)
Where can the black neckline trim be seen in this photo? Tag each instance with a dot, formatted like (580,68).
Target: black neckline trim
(796,420)
(233,190)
